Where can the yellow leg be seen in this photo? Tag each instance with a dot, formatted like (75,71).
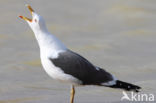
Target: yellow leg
(72,93)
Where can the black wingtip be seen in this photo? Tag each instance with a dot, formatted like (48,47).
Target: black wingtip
(126,86)
(137,89)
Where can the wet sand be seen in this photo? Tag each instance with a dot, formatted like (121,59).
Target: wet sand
(118,35)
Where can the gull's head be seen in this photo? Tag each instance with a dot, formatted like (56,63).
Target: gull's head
(36,22)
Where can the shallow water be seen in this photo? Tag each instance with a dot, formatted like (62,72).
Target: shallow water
(116,35)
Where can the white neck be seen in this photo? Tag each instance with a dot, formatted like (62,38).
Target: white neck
(48,43)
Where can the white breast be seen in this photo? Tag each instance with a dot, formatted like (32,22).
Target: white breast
(56,72)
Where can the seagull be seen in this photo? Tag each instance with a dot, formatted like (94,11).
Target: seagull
(62,64)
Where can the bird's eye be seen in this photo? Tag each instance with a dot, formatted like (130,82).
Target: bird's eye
(35,20)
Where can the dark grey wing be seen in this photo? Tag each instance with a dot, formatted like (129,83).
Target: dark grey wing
(77,66)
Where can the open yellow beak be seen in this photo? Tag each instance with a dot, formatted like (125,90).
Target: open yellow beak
(31,11)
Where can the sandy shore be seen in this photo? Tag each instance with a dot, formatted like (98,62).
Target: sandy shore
(118,35)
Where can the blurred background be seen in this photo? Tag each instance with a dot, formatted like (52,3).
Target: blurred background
(118,35)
